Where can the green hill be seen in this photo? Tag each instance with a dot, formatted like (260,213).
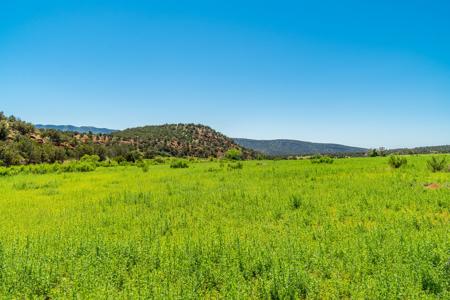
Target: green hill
(294,147)
(23,143)
(180,140)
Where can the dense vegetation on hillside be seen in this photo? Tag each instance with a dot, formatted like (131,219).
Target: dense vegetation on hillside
(352,229)
(23,143)
(294,147)
(179,140)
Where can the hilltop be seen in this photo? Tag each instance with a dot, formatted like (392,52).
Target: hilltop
(23,143)
(180,140)
(294,147)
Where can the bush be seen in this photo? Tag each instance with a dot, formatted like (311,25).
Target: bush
(90,158)
(4,130)
(159,160)
(319,159)
(120,160)
(397,161)
(436,164)
(144,167)
(77,166)
(235,166)
(133,156)
(179,164)
(372,153)
(85,167)
(296,202)
(233,154)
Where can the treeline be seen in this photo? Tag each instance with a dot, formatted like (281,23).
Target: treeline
(373,153)
(21,143)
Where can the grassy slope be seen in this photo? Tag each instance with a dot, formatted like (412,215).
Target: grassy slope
(359,230)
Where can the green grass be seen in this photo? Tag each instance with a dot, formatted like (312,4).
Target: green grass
(272,230)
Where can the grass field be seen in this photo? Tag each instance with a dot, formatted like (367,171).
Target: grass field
(272,230)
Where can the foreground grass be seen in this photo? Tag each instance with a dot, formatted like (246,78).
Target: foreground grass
(273,229)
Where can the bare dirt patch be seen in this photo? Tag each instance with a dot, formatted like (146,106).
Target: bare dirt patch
(432,186)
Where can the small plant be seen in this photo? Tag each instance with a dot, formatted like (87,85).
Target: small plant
(143,166)
(179,164)
(396,161)
(296,202)
(436,164)
(159,160)
(235,166)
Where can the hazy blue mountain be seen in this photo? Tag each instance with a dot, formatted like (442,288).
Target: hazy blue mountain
(294,147)
(81,129)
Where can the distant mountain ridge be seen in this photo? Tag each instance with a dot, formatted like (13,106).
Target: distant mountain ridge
(80,129)
(283,147)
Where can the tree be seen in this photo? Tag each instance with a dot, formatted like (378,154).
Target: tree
(4,130)
(133,156)
(22,127)
(10,156)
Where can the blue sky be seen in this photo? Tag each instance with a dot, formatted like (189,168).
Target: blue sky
(363,73)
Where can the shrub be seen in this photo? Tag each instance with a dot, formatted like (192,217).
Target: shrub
(372,153)
(179,164)
(4,130)
(436,164)
(235,166)
(10,156)
(120,160)
(85,167)
(77,166)
(90,158)
(296,202)
(108,163)
(397,161)
(234,154)
(133,156)
(159,160)
(143,165)
(319,159)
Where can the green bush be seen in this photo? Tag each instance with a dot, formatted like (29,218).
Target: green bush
(396,161)
(159,160)
(145,167)
(179,164)
(134,156)
(236,166)
(436,164)
(90,158)
(233,154)
(4,130)
(296,202)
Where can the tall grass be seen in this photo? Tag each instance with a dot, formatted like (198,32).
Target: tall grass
(272,230)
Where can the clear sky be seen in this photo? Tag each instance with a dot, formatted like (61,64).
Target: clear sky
(363,73)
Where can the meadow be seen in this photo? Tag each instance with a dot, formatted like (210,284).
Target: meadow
(354,228)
